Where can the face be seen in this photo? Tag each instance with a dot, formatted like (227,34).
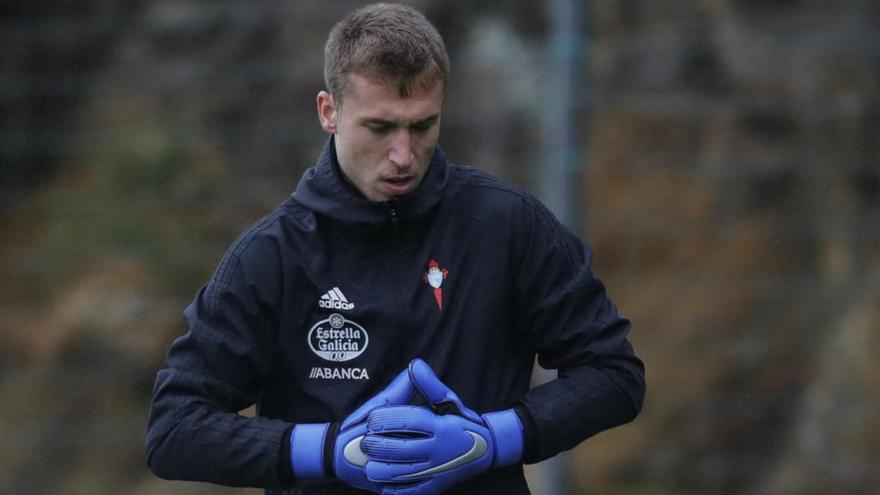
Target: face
(384,142)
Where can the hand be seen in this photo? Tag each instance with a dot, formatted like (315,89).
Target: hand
(311,444)
(414,450)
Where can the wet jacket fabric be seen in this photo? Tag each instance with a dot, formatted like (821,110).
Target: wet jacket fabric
(317,306)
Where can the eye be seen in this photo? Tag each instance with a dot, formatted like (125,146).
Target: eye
(379,128)
(422,126)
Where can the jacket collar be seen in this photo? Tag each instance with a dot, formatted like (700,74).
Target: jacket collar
(324,190)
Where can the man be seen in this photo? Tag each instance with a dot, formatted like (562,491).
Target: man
(386,317)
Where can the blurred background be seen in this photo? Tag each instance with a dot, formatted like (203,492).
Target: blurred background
(722,157)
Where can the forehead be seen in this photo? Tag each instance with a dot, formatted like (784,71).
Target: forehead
(381,98)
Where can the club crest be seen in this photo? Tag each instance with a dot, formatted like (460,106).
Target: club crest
(435,277)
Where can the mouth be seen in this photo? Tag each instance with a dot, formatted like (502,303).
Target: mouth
(398,185)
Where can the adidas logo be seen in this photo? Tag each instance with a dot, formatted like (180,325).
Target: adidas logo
(335,299)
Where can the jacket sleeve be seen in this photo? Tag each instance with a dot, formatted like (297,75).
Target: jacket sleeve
(576,330)
(214,371)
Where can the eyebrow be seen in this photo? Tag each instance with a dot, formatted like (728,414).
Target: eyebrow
(427,120)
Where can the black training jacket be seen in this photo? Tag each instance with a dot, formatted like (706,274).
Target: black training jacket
(316,307)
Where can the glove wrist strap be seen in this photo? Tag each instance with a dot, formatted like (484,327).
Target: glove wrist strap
(507,429)
(307,449)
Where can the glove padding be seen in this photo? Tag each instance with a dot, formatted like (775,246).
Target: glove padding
(414,450)
(340,444)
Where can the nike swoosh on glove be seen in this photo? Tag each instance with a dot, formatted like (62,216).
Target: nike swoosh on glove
(419,451)
(316,446)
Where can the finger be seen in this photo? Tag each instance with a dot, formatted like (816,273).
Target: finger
(428,384)
(442,398)
(399,391)
(423,488)
(395,472)
(409,419)
(397,449)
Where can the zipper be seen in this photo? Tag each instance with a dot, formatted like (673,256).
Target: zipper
(396,320)
(395,220)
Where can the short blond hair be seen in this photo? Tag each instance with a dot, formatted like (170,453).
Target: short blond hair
(393,42)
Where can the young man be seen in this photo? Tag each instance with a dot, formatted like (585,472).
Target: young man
(386,317)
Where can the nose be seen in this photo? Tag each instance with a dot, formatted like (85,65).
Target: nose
(401,153)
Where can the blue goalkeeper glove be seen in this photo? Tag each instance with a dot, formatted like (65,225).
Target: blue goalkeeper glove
(420,451)
(315,446)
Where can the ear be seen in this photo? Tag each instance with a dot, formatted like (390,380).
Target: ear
(327,112)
